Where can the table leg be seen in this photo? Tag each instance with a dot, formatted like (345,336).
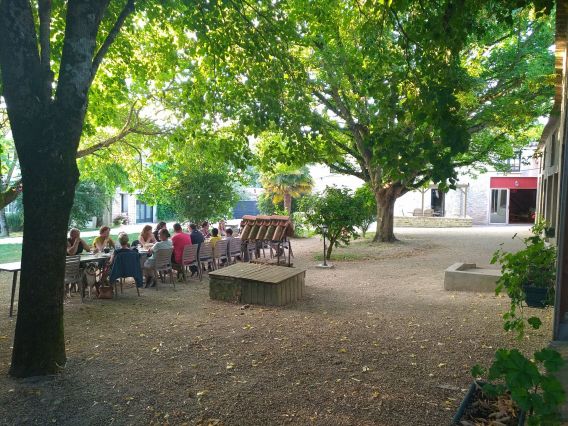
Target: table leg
(14,280)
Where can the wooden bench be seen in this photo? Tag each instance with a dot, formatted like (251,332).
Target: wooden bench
(257,284)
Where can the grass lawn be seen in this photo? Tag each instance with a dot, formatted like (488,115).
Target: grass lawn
(13,252)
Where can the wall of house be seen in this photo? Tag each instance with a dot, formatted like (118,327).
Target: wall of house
(116,208)
(549,179)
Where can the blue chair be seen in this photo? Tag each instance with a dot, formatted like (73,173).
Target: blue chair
(126,264)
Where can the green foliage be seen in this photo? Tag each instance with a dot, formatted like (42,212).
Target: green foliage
(302,228)
(204,195)
(285,182)
(530,383)
(90,200)
(336,209)
(166,213)
(366,202)
(534,265)
(15,220)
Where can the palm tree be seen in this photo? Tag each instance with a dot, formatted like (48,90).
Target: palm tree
(287,182)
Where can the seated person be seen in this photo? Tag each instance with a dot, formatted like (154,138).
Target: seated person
(75,244)
(146,236)
(159,227)
(216,237)
(205,230)
(229,232)
(124,246)
(163,244)
(222,227)
(103,241)
(196,236)
(179,240)
(125,266)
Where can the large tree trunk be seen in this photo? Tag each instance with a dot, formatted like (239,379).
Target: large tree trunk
(50,180)
(386,197)
(46,133)
(4,230)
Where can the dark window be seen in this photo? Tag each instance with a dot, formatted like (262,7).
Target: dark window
(437,202)
(124,203)
(144,212)
(552,154)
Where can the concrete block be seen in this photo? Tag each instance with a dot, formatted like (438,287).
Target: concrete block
(469,277)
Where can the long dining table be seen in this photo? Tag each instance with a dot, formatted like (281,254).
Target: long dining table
(16,267)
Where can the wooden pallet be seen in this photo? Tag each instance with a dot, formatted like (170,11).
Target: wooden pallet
(257,284)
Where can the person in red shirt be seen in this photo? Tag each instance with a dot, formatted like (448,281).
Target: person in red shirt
(180,239)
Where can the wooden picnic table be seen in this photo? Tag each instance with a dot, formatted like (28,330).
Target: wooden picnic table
(16,267)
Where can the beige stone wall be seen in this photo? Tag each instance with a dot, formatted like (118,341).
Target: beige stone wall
(432,222)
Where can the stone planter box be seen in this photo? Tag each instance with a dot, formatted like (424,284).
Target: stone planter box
(469,277)
(257,284)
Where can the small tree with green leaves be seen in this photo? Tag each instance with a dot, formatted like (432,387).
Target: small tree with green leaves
(336,208)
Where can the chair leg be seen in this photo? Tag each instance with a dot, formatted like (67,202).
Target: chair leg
(121,283)
(137,290)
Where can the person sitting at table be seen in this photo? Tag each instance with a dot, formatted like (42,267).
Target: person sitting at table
(196,236)
(103,241)
(146,236)
(205,230)
(179,240)
(75,244)
(159,227)
(163,244)
(222,227)
(124,246)
(216,237)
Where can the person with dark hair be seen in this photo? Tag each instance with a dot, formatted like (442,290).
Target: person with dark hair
(179,240)
(205,230)
(216,237)
(196,236)
(159,226)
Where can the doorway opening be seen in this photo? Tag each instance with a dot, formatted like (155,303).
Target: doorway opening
(522,205)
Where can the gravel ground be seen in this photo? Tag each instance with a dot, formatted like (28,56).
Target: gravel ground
(375,342)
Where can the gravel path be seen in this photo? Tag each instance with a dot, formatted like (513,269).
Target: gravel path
(375,342)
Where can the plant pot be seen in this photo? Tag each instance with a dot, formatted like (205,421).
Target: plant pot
(536,297)
(473,394)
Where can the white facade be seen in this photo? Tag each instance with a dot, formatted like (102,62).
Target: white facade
(128,205)
(474,196)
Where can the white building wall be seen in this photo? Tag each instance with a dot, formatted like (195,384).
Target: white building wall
(116,207)
(323,177)
(478,190)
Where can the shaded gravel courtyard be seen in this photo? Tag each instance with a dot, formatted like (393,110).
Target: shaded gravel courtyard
(377,341)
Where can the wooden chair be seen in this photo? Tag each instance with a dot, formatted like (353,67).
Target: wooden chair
(126,265)
(220,253)
(163,265)
(234,249)
(205,255)
(189,258)
(73,273)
